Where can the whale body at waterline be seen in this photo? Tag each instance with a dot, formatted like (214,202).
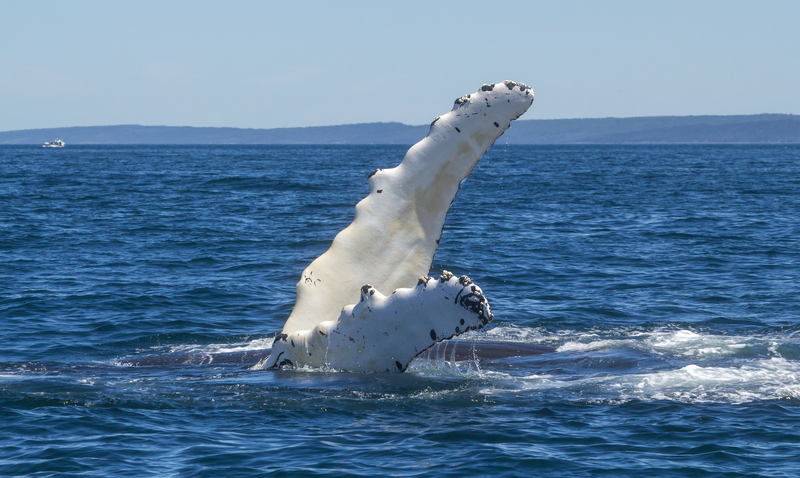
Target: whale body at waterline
(447,350)
(357,306)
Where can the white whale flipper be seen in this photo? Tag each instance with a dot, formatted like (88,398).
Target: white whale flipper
(396,230)
(384,333)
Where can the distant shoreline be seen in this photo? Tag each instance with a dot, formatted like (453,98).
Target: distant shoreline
(739,129)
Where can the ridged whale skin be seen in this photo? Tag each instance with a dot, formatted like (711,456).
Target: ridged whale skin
(384,333)
(391,243)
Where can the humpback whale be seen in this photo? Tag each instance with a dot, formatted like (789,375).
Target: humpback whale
(357,306)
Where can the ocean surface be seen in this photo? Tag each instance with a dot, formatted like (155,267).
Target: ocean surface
(666,280)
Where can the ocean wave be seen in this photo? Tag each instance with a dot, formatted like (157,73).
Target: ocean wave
(662,340)
(760,380)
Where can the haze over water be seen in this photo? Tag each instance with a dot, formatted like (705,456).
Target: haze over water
(664,277)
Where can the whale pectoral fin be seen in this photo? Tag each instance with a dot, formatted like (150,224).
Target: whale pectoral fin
(396,229)
(390,243)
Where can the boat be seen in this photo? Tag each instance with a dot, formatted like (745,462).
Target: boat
(58,143)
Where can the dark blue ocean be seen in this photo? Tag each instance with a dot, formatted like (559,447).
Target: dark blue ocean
(666,280)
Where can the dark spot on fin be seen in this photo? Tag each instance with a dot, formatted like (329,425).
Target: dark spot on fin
(276,360)
(373,173)
(322,333)
(433,334)
(281,337)
(458,129)
(497,125)
(379,191)
(285,362)
(399,366)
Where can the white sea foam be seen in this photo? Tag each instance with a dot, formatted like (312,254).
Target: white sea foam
(766,379)
(578,346)
(256,344)
(511,333)
(445,366)
(662,341)
(671,342)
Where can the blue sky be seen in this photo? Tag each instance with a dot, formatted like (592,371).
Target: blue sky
(259,64)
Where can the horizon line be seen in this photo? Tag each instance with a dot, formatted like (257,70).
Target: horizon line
(387,122)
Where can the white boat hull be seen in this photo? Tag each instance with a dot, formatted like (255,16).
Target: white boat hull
(58,143)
